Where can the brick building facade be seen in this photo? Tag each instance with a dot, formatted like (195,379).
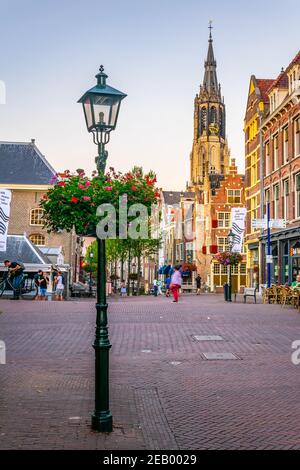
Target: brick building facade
(280,141)
(215,181)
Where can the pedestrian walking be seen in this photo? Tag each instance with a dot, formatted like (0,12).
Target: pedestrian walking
(176,281)
(43,284)
(168,282)
(155,287)
(36,278)
(198,284)
(60,287)
(123,290)
(159,286)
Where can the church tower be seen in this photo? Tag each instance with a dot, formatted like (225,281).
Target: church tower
(210,155)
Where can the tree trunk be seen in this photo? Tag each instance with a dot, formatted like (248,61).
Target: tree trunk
(122,269)
(138,274)
(115,283)
(128,273)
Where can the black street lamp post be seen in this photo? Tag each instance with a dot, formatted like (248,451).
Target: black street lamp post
(101,105)
(90,286)
(230,241)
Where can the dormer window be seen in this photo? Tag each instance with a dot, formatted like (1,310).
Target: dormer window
(294,78)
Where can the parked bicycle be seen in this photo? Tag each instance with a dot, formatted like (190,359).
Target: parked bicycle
(26,288)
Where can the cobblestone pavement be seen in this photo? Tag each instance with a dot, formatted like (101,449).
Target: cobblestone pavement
(165,394)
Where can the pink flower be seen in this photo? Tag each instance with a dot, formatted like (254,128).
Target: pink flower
(53,179)
(86,198)
(87,184)
(108,188)
(80,186)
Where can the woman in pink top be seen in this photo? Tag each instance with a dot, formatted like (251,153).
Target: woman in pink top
(176,281)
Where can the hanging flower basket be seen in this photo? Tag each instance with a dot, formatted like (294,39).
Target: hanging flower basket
(73,199)
(227,258)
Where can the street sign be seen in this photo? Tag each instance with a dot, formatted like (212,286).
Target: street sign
(274,223)
(269,259)
(277,223)
(259,223)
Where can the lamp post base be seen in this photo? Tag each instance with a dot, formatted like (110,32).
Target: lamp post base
(102,422)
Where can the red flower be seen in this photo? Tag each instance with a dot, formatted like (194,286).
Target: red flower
(74,200)
(45,196)
(108,188)
(133,188)
(61,183)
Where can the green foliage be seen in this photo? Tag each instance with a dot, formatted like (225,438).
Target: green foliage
(73,200)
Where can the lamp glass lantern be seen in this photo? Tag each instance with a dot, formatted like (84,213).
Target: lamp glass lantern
(101,105)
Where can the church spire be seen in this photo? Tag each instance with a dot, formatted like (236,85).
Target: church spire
(210,81)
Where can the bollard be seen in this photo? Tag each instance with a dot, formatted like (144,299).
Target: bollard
(2,353)
(226,296)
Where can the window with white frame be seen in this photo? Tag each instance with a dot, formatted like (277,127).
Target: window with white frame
(37,239)
(36,216)
(233,196)
(223,219)
(297,195)
(297,137)
(253,207)
(275,152)
(285,145)
(276,200)
(189,248)
(286,191)
(222,244)
(267,158)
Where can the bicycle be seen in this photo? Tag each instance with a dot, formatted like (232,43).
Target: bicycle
(27,288)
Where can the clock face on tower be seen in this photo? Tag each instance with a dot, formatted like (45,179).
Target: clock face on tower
(213,128)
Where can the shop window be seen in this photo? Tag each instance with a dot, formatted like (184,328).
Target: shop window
(216,268)
(243,268)
(235,269)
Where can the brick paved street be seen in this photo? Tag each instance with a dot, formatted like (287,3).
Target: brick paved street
(164,393)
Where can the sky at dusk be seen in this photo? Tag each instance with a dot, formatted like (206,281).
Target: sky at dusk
(153,50)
